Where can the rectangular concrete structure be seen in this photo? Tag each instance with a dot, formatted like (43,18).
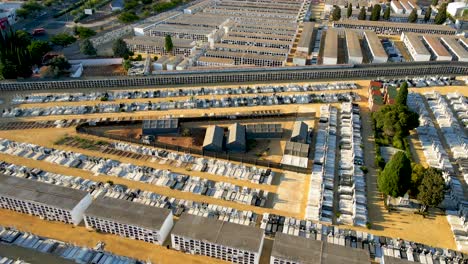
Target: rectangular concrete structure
(236,140)
(353,47)
(214,137)
(296,149)
(306,40)
(48,201)
(264,131)
(394,28)
(156,45)
(415,47)
(300,250)
(300,132)
(375,47)
(439,52)
(455,48)
(128,219)
(218,239)
(160,126)
(330,52)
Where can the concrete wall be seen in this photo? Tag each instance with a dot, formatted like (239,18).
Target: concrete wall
(98,62)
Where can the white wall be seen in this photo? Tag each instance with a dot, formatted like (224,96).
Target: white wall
(166,228)
(78,210)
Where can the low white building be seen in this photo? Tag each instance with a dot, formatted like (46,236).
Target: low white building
(455,48)
(330,52)
(375,47)
(230,242)
(396,7)
(439,52)
(353,47)
(47,201)
(415,47)
(128,219)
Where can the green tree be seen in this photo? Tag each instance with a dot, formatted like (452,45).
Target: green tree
(413,16)
(83,32)
(395,178)
(87,48)
(21,12)
(168,45)
(435,2)
(349,11)
(441,14)
(431,190)
(362,14)
(120,49)
(386,14)
(59,62)
(375,15)
(126,64)
(38,49)
(427,16)
(130,4)
(28,8)
(23,37)
(56,66)
(395,120)
(63,39)
(8,70)
(417,176)
(128,17)
(336,14)
(402,94)
(14,56)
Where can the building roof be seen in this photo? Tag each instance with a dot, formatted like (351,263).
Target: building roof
(44,193)
(456,47)
(417,44)
(296,149)
(199,19)
(375,45)
(436,46)
(160,42)
(246,48)
(308,251)
(126,212)
(367,23)
(300,130)
(377,99)
(353,45)
(236,134)
(397,4)
(215,60)
(187,29)
(331,44)
(253,40)
(264,128)
(220,232)
(214,136)
(306,37)
(392,92)
(161,123)
(406,5)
